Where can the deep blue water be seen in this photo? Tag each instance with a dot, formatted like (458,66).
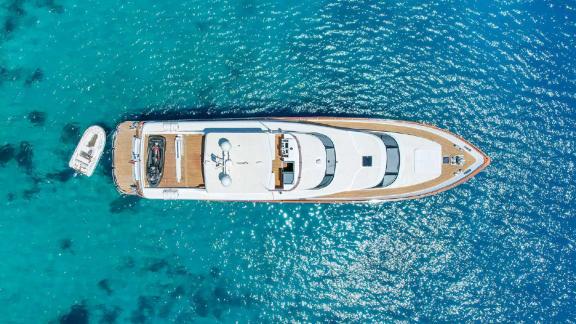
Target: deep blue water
(500,247)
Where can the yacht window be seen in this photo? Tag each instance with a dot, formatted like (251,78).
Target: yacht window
(392,160)
(288,173)
(330,160)
(287,177)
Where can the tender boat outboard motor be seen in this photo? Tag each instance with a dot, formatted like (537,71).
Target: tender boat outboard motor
(155,163)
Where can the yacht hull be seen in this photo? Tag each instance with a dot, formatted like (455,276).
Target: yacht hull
(460,159)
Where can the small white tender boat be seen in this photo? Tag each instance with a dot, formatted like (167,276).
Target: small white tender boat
(88,151)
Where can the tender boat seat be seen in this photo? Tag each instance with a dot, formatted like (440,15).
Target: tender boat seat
(82,158)
(85,155)
(392,160)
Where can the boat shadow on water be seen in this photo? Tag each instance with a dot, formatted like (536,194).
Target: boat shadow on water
(264,110)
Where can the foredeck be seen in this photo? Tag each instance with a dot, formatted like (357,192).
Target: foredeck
(191,164)
(122,167)
(448,149)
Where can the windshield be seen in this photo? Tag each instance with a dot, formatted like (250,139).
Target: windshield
(330,160)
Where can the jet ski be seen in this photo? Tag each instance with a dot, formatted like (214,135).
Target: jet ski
(155,162)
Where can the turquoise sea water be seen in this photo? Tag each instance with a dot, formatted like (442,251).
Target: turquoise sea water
(500,247)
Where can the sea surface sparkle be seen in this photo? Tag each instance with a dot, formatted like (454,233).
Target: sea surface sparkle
(500,247)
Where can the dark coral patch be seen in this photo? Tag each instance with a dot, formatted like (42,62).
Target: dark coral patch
(15,11)
(200,304)
(110,315)
(178,270)
(9,26)
(246,299)
(202,26)
(165,309)
(146,308)
(146,304)
(221,294)
(137,317)
(217,312)
(123,203)
(65,244)
(70,133)
(10,196)
(37,118)
(36,76)
(8,75)
(104,284)
(7,153)
(78,314)
(61,176)
(51,5)
(30,193)
(16,8)
(186,317)
(157,265)
(179,291)
(25,156)
(215,272)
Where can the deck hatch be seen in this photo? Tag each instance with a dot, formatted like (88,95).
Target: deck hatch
(367,161)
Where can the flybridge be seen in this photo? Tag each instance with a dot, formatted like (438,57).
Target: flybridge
(290,160)
(238,162)
(261,161)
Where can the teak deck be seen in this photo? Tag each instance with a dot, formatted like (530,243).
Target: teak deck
(277,163)
(122,169)
(191,162)
(122,166)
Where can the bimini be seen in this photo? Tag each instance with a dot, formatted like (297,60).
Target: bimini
(290,159)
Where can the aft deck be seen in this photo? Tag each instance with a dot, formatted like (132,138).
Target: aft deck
(123,165)
(191,163)
(123,168)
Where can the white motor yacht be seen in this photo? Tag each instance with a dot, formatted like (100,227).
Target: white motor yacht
(290,159)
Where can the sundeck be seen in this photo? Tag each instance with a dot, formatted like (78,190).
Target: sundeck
(290,159)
